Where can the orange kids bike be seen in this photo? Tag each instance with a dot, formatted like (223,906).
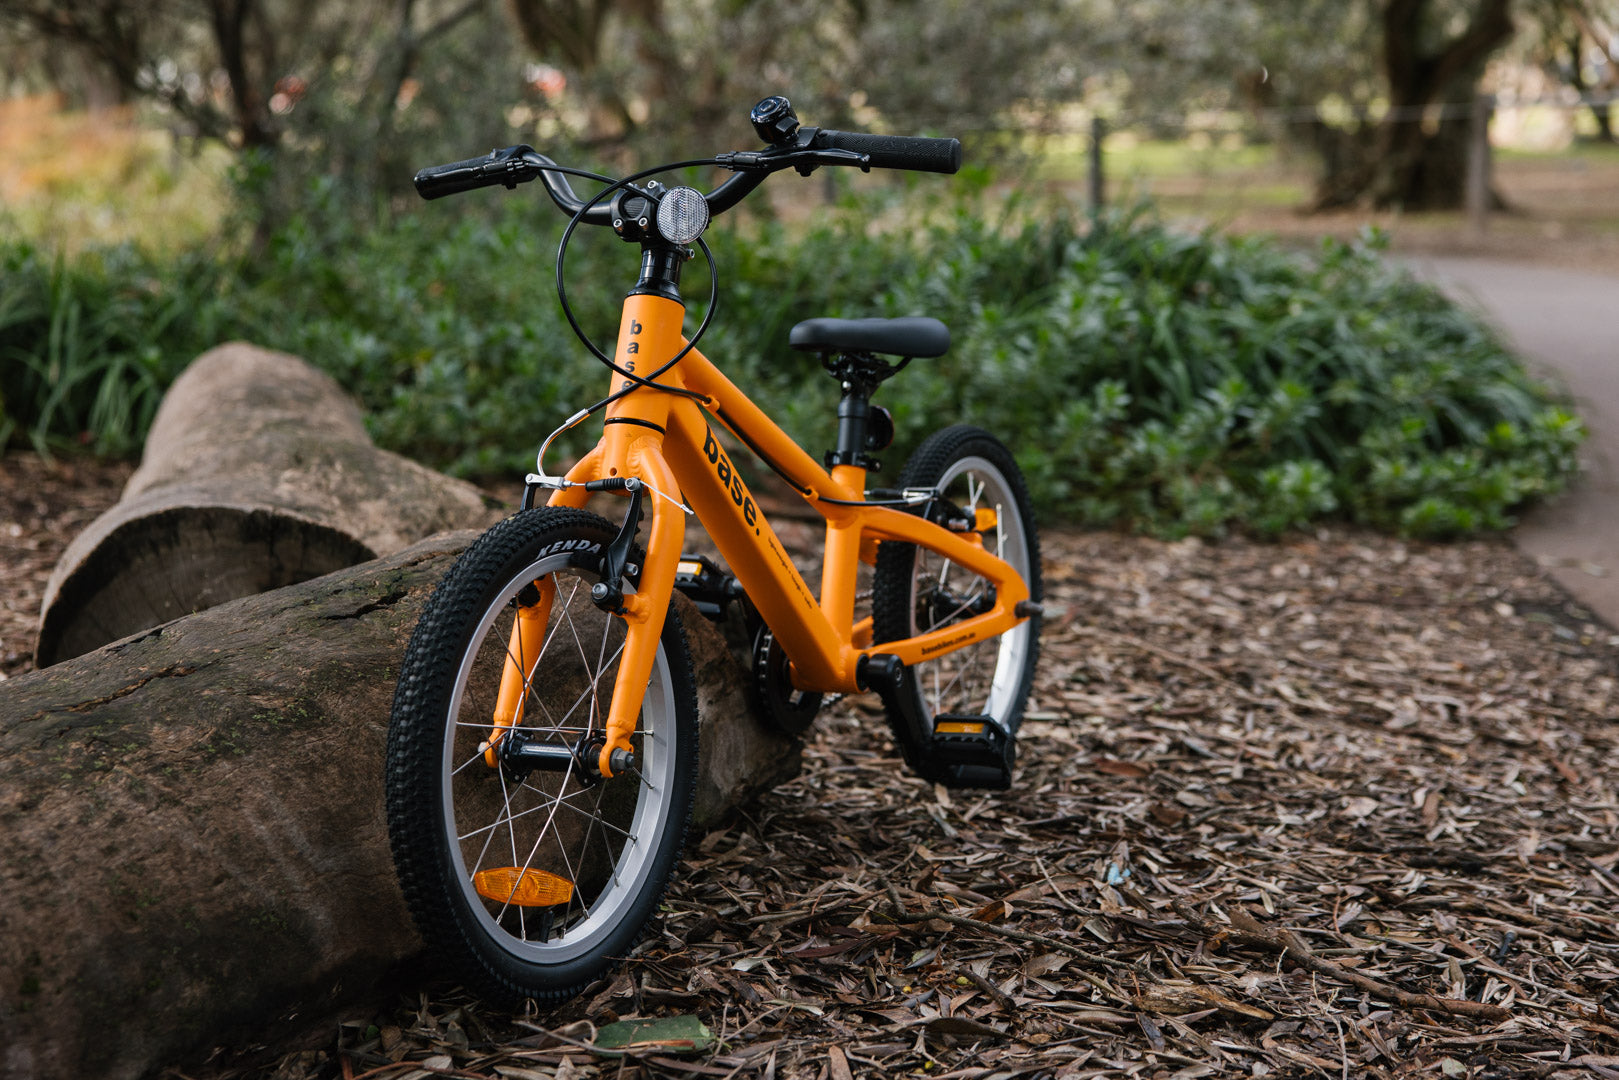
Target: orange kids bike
(542,753)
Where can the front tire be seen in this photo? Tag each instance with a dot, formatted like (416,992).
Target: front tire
(452,815)
(916,590)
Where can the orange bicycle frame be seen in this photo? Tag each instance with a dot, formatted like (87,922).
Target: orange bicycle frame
(667,441)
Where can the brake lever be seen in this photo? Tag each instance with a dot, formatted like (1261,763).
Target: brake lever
(511,165)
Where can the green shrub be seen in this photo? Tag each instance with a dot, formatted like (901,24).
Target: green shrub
(1145,377)
(88,346)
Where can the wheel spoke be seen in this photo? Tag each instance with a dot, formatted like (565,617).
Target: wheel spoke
(987,677)
(558,728)
(528,679)
(511,828)
(594,813)
(601,665)
(595,818)
(539,838)
(611,840)
(589,693)
(965,667)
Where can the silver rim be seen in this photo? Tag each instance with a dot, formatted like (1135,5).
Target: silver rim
(604,837)
(983,678)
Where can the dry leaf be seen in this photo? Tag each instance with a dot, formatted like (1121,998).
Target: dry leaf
(1113,767)
(961,1027)
(1360,806)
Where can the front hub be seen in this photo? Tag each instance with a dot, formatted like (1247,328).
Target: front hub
(521,754)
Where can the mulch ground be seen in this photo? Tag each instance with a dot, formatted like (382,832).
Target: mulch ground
(43,506)
(1339,806)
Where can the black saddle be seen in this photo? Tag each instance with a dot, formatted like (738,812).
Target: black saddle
(915,336)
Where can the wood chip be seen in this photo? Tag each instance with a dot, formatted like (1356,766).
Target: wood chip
(1400,784)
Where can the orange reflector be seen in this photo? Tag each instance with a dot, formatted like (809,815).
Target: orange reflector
(984,519)
(957,727)
(693,568)
(523,888)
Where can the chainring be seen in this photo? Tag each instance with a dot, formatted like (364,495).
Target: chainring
(784,707)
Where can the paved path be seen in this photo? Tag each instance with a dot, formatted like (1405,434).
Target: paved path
(1566,325)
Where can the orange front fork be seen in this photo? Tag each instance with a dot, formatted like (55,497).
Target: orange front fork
(646,609)
(650,329)
(527,641)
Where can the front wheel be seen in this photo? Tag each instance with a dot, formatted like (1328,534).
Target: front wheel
(524,869)
(916,590)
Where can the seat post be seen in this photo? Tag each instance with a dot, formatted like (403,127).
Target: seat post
(861,427)
(854,409)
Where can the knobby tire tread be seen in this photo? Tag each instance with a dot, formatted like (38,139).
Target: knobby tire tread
(891,583)
(411,779)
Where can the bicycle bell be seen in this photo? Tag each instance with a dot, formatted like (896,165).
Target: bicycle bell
(774,120)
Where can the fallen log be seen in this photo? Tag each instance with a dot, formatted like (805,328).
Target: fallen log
(258,473)
(192,840)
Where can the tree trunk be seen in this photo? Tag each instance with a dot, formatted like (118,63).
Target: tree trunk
(258,473)
(1601,112)
(194,848)
(1416,157)
(1423,166)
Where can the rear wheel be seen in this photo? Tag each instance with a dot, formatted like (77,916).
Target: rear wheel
(527,872)
(916,590)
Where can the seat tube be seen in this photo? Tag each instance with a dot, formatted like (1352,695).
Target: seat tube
(842,559)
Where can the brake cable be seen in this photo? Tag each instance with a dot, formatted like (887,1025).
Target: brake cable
(637,381)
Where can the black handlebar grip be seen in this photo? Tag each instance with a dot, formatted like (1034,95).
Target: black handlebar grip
(437,181)
(914,153)
(496,167)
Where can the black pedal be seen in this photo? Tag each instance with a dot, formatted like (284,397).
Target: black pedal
(968,752)
(706,585)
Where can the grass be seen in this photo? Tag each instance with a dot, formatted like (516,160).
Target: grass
(84,179)
(1582,153)
(1066,157)
(89,342)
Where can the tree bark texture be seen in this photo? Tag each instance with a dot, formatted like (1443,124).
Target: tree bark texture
(192,839)
(258,473)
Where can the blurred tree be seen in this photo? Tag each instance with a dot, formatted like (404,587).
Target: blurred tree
(1577,42)
(142,47)
(29,66)
(239,70)
(575,34)
(1381,90)
(696,65)
(1432,54)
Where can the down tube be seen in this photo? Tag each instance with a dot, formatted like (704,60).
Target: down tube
(710,482)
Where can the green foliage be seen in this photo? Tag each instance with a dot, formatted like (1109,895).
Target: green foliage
(88,346)
(1145,377)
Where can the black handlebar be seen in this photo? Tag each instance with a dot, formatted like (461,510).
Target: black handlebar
(496,167)
(909,152)
(508,167)
(804,149)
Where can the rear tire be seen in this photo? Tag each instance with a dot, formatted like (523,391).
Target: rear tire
(452,815)
(916,590)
